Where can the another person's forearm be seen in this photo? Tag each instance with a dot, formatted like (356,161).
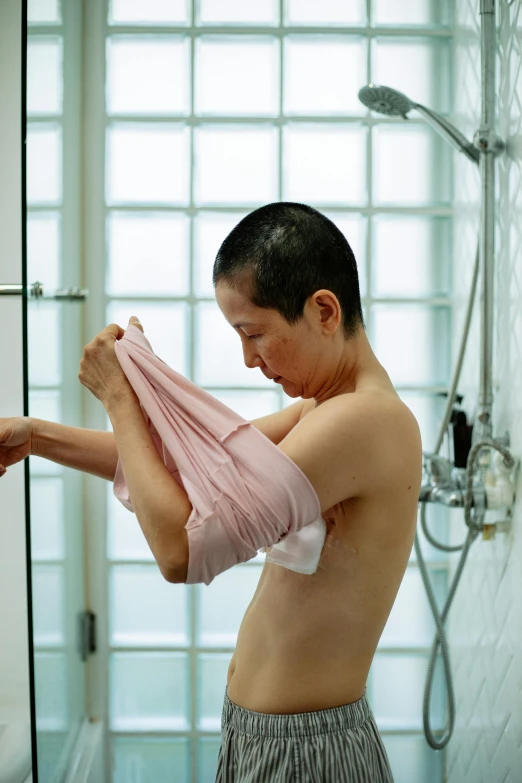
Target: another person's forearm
(91,451)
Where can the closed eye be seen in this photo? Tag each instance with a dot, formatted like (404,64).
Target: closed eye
(252,336)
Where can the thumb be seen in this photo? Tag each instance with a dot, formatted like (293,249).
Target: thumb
(134,321)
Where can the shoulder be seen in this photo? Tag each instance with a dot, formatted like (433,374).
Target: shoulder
(376,426)
(382,411)
(379,421)
(369,411)
(388,437)
(353,442)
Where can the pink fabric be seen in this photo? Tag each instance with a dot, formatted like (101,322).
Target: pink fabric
(245,492)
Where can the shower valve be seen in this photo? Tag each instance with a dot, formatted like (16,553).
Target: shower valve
(438,470)
(500,485)
(444,483)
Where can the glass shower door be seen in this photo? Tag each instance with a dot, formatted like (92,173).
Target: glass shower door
(55,345)
(56,545)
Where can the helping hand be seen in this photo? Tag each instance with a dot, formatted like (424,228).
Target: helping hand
(16,440)
(100,370)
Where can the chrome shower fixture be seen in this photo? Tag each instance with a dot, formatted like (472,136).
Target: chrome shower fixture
(393,103)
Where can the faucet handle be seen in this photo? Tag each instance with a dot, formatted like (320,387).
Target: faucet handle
(438,469)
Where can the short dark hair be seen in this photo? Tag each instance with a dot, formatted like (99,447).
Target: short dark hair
(291,251)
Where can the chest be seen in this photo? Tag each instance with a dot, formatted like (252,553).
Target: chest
(339,552)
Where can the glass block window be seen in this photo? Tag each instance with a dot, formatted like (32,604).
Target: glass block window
(211,109)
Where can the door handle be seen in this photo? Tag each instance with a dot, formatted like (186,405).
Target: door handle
(36,291)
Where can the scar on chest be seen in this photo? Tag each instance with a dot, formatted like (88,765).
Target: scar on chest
(332,542)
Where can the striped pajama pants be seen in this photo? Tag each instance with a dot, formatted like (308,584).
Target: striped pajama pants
(337,745)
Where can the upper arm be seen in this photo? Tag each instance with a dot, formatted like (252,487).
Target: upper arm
(349,449)
(276,426)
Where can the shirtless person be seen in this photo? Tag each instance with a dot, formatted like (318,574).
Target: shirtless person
(295,707)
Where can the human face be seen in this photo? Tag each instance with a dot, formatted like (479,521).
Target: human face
(268,341)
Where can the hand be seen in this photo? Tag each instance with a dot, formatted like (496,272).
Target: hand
(16,440)
(100,370)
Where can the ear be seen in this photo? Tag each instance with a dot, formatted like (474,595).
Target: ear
(330,309)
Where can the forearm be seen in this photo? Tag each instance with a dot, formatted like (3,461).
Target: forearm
(91,451)
(161,505)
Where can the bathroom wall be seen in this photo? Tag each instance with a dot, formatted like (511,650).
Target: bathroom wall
(485,624)
(14,663)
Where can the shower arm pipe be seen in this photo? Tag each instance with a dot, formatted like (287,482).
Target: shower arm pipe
(489,146)
(449,132)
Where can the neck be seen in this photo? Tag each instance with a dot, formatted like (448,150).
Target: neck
(357,361)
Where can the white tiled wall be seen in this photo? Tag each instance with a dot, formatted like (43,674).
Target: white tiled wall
(485,625)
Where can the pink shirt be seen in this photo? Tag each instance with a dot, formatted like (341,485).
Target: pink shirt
(246,493)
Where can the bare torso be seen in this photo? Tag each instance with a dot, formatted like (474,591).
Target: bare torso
(307,642)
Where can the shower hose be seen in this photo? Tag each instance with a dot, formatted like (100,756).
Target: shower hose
(440,639)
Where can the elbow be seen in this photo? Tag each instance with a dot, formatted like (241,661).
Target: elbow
(175,574)
(175,570)
(167,573)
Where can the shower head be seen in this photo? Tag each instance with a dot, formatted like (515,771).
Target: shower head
(386,101)
(393,103)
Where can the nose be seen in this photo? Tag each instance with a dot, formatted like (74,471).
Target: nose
(250,355)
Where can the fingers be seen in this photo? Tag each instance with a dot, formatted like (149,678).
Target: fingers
(107,335)
(110,333)
(135,322)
